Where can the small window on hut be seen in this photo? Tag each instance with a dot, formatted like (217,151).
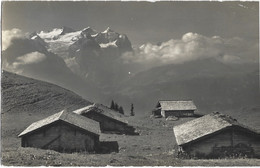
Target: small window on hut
(75,132)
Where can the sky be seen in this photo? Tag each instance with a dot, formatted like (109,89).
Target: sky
(142,22)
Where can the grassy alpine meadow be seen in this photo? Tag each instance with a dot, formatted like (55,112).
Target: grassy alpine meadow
(155,146)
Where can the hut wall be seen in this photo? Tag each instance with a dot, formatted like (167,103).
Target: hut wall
(61,137)
(226,138)
(107,124)
(39,139)
(205,146)
(242,137)
(110,125)
(76,140)
(179,113)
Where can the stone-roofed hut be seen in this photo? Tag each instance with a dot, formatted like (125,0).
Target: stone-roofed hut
(217,135)
(168,108)
(63,132)
(110,120)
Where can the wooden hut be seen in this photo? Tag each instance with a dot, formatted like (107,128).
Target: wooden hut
(217,135)
(63,132)
(168,108)
(110,120)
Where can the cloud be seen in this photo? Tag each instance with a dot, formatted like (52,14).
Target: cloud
(193,46)
(8,35)
(31,58)
(27,59)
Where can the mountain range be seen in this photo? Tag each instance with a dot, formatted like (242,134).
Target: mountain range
(91,64)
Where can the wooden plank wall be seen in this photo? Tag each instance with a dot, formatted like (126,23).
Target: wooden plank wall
(247,138)
(179,113)
(107,124)
(62,137)
(205,145)
(225,138)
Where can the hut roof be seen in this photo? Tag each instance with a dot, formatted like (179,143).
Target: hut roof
(101,109)
(69,117)
(177,105)
(203,126)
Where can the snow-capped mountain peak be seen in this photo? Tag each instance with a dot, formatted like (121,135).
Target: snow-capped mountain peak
(50,34)
(65,41)
(34,37)
(107,30)
(88,32)
(66,30)
(88,29)
(94,35)
(55,33)
(110,44)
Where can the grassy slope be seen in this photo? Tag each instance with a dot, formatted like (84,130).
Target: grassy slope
(26,100)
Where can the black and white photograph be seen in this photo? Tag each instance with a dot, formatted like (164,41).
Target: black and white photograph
(130,83)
